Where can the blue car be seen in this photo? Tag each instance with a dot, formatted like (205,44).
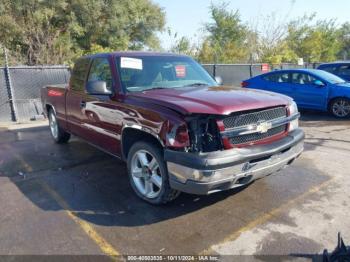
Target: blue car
(341,69)
(310,89)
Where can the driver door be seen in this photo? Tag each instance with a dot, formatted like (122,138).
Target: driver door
(306,93)
(100,116)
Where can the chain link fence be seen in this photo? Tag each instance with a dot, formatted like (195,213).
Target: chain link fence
(234,74)
(26,81)
(24,88)
(5,109)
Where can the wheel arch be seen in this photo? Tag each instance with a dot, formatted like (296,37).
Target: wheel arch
(135,133)
(48,107)
(334,98)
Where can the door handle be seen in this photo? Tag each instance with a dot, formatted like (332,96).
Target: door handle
(82,104)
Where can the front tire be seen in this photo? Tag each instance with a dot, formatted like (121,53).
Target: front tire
(148,174)
(340,107)
(58,134)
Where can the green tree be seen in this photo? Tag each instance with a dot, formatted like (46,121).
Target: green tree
(227,35)
(57,31)
(184,46)
(118,24)
(267,40)
(35,30)
(316,42)
(279,53)
(206,53)
(344,40)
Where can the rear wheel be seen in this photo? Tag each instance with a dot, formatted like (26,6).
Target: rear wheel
(59,135)
(148,174)
(340,107)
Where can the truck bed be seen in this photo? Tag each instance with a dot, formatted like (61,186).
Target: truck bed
(55,96)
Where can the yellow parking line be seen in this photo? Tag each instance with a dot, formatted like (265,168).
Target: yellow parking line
(26,166)
(109,250)
(267,216)
(106,248)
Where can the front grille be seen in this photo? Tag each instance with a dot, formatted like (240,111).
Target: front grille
(244,139)
(240,120)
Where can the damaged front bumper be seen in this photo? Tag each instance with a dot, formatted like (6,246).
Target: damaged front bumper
(207,173)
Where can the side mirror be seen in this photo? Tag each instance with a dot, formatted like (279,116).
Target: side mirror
(218,80)
(97,88)
(319,83)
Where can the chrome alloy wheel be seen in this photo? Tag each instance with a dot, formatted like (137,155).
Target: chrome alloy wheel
(341,108)
(53,125)
(146,174)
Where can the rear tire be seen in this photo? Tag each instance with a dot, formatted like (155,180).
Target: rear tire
(148,174)
(340,107)
(58,134)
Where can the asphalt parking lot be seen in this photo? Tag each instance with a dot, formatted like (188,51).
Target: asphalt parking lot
(74,199)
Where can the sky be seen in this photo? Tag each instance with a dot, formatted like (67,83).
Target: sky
(187,17)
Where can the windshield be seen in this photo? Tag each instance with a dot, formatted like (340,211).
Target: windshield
(153,72)
(333,79)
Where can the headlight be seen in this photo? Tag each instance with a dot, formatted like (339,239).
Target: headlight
(293,109)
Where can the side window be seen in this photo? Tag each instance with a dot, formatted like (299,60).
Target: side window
(330,69)
(278,77)
(344,70)
(79,72)
(303,79)
(101,71)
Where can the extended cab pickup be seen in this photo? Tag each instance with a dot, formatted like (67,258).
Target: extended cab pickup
(176,128)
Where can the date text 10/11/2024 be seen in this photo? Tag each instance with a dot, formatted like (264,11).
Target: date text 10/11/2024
(173,258)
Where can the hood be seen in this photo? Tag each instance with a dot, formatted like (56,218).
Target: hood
(217,100)
(345,85)
(340,90)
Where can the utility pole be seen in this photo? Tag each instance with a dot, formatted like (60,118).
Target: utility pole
(9,87)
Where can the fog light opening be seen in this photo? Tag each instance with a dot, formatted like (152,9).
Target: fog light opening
(244,180)
(290,161)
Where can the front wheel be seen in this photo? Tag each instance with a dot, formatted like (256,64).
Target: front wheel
(59,135)
(340,107)
(148,174)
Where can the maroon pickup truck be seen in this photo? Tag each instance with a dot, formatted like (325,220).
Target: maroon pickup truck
(177,129)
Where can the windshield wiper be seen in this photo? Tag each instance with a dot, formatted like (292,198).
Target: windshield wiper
(198,84)
(161,87)
(153,88)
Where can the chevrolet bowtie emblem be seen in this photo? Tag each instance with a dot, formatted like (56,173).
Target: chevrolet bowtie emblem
(263,127)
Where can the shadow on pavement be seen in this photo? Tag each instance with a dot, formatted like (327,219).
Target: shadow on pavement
(95,188)
(94,185)
(315,118)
